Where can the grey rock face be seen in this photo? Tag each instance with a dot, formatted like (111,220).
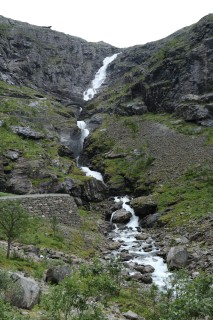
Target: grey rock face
(54,62)
(161,73)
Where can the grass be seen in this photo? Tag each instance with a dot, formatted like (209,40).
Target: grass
(189,197)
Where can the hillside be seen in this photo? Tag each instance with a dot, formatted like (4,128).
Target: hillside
(150,136)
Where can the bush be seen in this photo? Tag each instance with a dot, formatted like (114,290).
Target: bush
(81,296)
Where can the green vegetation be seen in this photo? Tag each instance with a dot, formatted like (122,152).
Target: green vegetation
(13,221)
(76,296)
(189,197)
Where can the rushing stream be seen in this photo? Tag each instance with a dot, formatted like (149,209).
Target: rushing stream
(126,236)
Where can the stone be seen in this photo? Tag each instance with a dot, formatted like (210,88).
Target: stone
(145,269)
(121,216)
(1,123)
(64,151)
(150,220)
(144,206)
(177,257)
(114,245)
(131,315)
(26,294)
(27,132)
(125,256)
(146,278)
(12,154)
(56,274)
(141,236)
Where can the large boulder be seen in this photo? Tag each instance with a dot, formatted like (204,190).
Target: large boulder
(56,274)
(150,220)
(26,292)
(143,206)
(121,216)
(177,257)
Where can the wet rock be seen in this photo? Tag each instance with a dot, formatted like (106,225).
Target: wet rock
(124,256)
(141,236)
(145,269)
(114,207)
(177,257)
(135,275)
(57,274)
(146,278)
(1,123)
(143,206)
(121,216)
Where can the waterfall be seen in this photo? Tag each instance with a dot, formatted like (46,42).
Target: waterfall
(99,79)
(126,236)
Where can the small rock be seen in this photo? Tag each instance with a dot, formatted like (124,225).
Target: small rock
(131,315)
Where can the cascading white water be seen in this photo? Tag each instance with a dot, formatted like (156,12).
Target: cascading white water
(99,79)
(128,235)
(136,247)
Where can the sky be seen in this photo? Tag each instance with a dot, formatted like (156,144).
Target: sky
(121,23)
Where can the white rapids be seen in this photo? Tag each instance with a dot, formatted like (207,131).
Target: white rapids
(127,236)
(99,79)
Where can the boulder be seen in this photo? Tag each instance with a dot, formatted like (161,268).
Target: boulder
(56,274)
(125,256)
(121,216)
(114,207)
(145,269)
(131,315)
(177,257)
(12,154)
(26,292)
(150,220)
(143,206)
(27,132)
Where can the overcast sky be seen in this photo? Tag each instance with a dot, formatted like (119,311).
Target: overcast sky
(121,23)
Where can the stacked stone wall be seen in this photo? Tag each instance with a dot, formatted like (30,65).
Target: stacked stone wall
(61,206)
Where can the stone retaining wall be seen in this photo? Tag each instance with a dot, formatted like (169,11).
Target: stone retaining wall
(62,206)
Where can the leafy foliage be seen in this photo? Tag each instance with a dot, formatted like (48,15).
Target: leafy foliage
(13,221)
(82,295)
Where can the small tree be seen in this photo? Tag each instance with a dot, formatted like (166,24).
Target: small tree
(13,221)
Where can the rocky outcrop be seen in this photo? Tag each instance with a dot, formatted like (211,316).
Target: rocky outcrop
(56,63)
(173,75)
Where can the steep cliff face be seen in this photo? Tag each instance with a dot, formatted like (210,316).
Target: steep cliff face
(173,75)
(40,58)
